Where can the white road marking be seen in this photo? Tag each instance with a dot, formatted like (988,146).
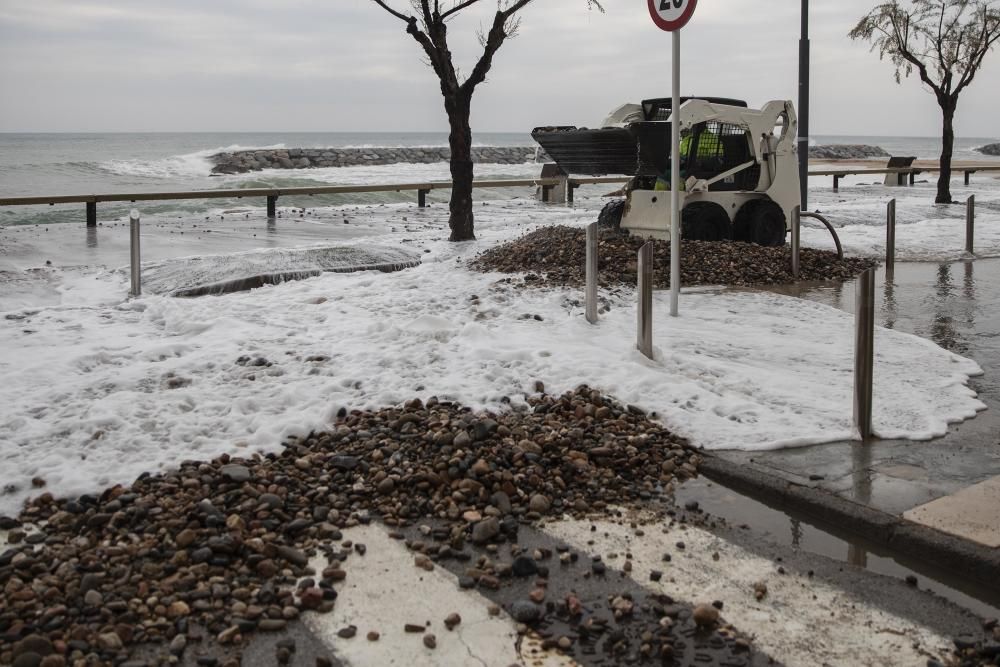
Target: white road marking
(384,591)
(800,621)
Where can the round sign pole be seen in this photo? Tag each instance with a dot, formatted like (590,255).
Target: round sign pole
(672,15)
(675,177)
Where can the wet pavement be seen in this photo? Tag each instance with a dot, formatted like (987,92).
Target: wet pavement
(803,533)
(956,305)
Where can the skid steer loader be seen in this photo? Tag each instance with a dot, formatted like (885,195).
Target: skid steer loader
(739,169)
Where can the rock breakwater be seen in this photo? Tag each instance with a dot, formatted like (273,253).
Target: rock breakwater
(846,152)
(990,149)
(239,162)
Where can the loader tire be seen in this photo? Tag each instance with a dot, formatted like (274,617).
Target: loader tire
(611,215)
(705,221)
(760,221)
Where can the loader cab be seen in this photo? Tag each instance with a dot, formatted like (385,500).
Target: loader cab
(716,148)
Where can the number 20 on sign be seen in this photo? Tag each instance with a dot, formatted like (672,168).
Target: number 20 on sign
(671,15)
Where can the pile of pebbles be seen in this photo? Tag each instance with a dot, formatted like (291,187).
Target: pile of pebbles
(222,549)
(556,256)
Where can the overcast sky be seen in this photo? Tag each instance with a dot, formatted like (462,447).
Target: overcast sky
(346,65)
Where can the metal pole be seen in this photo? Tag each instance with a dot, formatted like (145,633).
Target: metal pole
(804,108)
(644,332)
(134,256)
(272,201)
(864,352)
(890,239)
(796,239)
(91,213)
(675,177)
(592,273)
(970,223)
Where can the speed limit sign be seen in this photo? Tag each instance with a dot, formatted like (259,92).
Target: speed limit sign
(671,15)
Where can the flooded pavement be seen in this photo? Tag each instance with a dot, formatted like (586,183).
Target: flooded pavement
(803,533)
(956,305)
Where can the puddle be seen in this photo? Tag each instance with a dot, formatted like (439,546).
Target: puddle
(814,537)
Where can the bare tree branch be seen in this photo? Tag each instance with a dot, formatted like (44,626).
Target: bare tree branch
(457,8)
(392,11)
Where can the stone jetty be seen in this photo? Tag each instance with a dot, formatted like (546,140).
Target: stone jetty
(238,162)
(990,149)
(846,152)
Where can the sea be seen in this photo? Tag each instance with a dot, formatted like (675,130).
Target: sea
(91,163)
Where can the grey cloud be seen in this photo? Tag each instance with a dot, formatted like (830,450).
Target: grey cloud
(343,65)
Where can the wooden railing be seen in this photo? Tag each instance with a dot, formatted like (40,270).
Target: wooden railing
(422,189)
(902,173)
(272,194)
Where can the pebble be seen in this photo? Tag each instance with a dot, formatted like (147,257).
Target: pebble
(348,632)
(524,567)
(272,624)
(539,503)
(178,644)
(235,473)
(372,636)
(485,530)
(430,641)
(705,615)
(525,611)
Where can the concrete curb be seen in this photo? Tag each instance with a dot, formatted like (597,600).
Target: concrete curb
(966,559)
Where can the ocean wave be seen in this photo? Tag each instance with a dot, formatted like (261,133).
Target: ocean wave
(198,163)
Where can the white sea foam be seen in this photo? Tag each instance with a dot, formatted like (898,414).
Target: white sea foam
(88,398)
(198,163)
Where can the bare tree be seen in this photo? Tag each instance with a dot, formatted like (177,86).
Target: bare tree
(428,25)
(945,41)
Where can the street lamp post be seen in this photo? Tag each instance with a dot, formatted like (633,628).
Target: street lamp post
(804,108)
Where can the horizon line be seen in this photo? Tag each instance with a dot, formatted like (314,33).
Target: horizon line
(405,132)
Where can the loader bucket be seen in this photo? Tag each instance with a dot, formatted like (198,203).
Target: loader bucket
(641,149)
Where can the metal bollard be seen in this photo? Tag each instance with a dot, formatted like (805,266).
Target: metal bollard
(135,258)
(864,352)
(591,270)
(890,238)
(796,239)
(970,223)
(644,334)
